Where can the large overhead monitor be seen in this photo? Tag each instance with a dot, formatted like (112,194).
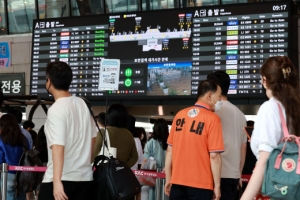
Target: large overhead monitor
(163,53)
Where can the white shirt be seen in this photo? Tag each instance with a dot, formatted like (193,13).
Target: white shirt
(233,123)
(139,150)
(70,124)
(267,132)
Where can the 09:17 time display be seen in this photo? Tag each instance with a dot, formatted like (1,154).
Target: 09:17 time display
(277,7)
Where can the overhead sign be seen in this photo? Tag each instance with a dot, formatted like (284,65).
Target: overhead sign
(164,57)
(13,83)
(5,54)
(109,74)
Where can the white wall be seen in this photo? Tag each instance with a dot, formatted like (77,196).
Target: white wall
(20,56)
(21,61)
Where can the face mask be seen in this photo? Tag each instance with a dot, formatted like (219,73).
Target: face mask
(48,88)
(218,105)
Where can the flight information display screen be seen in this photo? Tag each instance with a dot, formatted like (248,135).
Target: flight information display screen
(163,53)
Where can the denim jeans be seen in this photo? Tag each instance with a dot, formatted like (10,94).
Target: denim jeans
(10,194)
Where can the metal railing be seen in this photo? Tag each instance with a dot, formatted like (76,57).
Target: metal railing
(4,171)
(160,185)
(160,178)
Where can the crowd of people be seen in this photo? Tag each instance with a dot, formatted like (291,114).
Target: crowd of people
(15,139)
(203,155)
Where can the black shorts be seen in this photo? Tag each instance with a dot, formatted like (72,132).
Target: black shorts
(180,192)
(74,190)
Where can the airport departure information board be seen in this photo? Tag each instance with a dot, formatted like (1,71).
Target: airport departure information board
(165,52)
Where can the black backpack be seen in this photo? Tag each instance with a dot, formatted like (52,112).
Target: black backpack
(113,180)
(28,181)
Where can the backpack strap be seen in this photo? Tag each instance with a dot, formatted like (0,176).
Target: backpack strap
(287,137)
(18,173)
(285,134)
(283,123)
(93,116)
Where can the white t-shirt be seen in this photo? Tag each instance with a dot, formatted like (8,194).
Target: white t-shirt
(267,132)
(139,150)
(233,123)
(70,124)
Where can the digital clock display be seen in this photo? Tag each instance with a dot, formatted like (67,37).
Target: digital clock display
(279,7)
(165,52)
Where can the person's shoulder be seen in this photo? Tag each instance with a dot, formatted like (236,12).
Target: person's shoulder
(68,100)
(55,108)
(66,103)
(24,131)
(213,116)
(189,111)
(77,99)
(127,132)
(119,131)
(228,105)
(194,111)
(271,104)
(81,103)
(111,129)
(268,108)
(149,142)
(231,107)
(182,111)
(59,103)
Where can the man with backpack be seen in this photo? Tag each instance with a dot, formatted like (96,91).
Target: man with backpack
(70,131)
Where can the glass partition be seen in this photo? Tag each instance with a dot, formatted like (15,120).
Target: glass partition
(42,9)
(159,4)
(3,29)
(194,3)
(115,6)
(53,9)
(235,1)
(20,15)
(151,4)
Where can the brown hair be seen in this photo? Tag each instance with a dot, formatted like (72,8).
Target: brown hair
(11,133)
(282,79)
